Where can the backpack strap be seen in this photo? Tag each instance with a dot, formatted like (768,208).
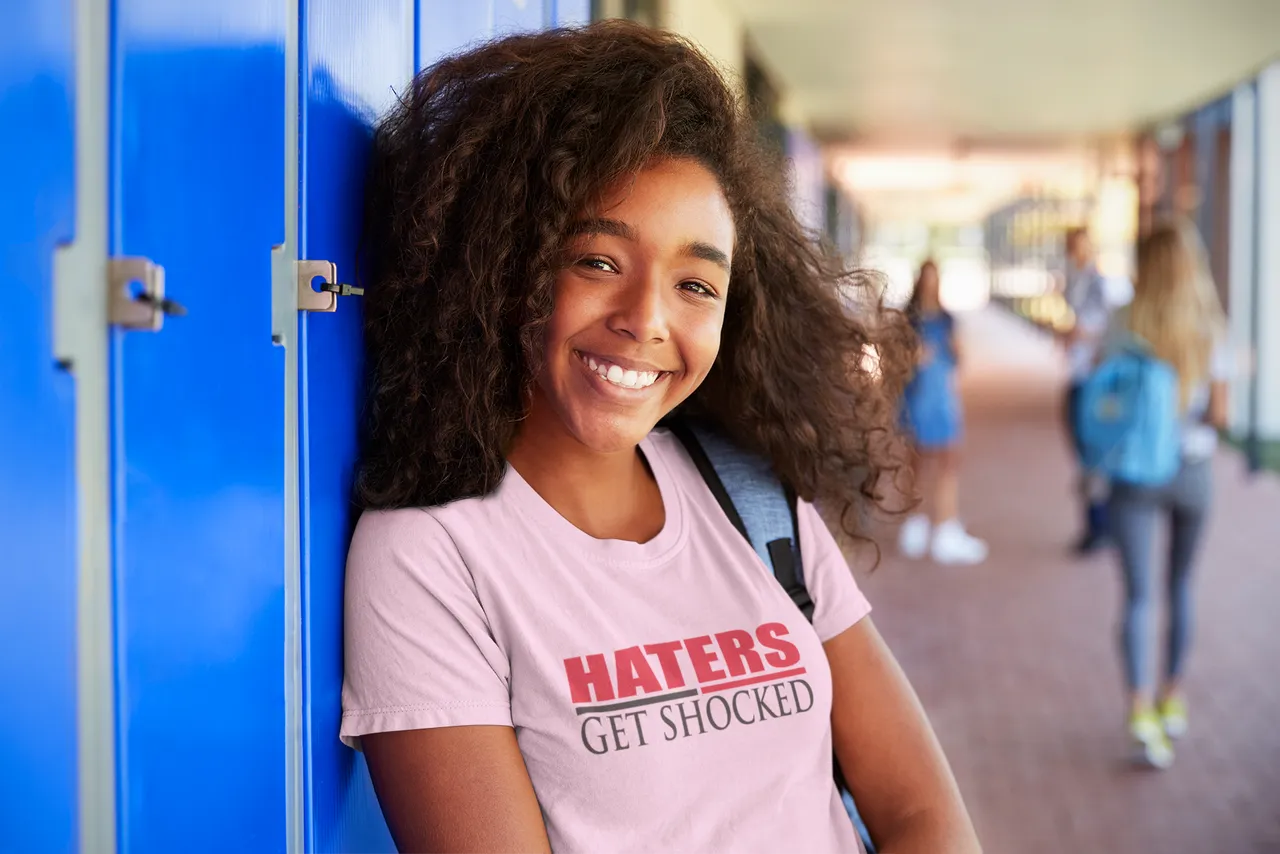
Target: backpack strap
(785,558)
(762,509)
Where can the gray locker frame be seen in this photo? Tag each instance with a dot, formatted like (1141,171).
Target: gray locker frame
(80,342)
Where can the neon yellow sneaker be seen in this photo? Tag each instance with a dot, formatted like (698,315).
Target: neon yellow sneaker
(1153,745)
(1173,714)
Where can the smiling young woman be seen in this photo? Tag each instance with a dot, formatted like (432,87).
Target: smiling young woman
(555,639)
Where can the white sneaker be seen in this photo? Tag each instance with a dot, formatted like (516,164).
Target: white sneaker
(913,537)
(953,544)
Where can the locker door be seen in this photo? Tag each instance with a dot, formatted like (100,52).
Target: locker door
(354,57)
(38,802)
(198,428)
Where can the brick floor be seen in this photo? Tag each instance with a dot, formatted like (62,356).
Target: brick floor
(1016,660)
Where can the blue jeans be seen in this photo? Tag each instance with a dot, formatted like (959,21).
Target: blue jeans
(1134,512)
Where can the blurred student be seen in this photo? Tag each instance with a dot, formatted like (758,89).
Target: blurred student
(933,418)
(1176,314)
(1087,296)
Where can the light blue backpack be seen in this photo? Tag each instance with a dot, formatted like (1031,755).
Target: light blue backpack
(1128,417)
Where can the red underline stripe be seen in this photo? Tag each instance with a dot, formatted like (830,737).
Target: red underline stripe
(752,680)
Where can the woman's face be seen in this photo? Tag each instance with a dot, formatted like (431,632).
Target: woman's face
(637,318)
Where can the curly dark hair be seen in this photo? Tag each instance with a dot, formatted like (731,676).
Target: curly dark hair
(478,175)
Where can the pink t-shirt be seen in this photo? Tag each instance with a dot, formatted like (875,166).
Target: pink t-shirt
(667,696)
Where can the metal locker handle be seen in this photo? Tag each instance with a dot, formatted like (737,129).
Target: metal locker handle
(325,299)
(147,310)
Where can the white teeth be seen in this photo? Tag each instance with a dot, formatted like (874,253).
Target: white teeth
(619,376)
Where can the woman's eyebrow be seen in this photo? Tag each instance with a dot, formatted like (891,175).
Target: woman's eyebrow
(603,225)
(706,252)
(617,228)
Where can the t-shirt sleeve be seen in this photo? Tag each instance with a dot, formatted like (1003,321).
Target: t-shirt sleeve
(419,653)
(838,603)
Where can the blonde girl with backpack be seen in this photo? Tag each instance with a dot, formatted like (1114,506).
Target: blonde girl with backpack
(1177,315)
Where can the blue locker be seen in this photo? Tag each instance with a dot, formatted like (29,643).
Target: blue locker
(197,186)
(343,95)
(38,800)
(354,57)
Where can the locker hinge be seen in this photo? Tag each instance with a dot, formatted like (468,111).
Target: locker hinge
(144,307)
(325,299)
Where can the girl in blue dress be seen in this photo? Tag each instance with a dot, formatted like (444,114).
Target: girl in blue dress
(932,417)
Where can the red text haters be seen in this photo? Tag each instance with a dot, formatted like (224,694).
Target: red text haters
(700,684)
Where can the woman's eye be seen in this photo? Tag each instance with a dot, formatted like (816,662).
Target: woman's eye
(600,264)
(699,288)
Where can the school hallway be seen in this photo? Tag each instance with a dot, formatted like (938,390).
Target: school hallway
(1016,660)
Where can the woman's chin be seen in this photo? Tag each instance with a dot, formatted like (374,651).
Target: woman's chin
(611,435)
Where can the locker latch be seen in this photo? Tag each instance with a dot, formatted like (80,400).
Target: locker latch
(144,308)
(325,299)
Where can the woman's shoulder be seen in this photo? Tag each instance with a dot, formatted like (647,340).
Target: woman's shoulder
(432,547)
(386,529)
(382,534)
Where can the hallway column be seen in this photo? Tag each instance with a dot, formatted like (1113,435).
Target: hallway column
(1256,127)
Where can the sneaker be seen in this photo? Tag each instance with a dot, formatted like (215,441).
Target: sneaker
(953,544)
(913,537)
(1153,747)
(1173,714)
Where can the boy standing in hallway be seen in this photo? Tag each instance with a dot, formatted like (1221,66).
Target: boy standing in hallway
(1085,293)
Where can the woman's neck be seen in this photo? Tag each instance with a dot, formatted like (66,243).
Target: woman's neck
(608,495)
